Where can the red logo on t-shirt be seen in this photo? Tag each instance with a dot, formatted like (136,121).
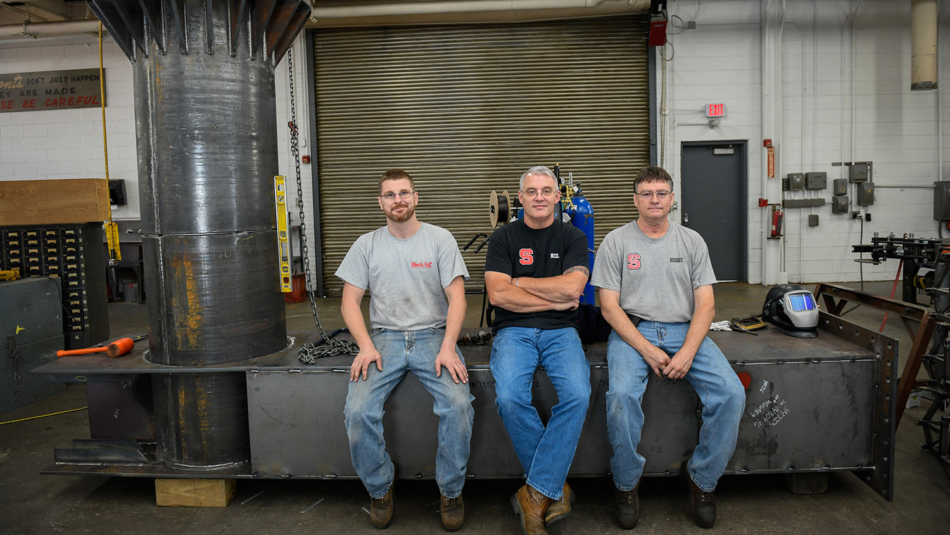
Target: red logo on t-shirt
(633,261)
(527,257)
(420,265)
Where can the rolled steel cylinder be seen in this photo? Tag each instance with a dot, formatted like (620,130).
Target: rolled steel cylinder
(206,126)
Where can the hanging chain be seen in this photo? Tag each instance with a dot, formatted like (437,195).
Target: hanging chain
(309,353)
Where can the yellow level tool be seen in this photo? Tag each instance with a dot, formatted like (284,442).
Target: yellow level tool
(112,238)
(283,244)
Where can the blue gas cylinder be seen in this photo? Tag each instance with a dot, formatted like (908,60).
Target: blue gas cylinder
(582,217)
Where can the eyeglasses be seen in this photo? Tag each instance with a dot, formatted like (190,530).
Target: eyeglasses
(531,192)
(660,195)
(390,196)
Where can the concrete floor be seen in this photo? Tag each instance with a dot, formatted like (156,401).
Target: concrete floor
(31,503)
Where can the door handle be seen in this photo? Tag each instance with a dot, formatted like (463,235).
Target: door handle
(685,218)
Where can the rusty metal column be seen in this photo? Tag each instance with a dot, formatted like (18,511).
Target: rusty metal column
(207,150)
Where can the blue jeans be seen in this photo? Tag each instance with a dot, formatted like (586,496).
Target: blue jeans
(719,390)
(545,453)
(402,352)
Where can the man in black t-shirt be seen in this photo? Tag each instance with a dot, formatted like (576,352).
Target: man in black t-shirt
(535,273)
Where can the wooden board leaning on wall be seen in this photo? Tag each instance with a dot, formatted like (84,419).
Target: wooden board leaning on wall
(53,202)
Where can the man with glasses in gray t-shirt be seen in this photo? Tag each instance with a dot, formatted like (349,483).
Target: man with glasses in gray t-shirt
(416,277)
(655,284)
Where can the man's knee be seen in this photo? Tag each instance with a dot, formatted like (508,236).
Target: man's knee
(620,400)
(458,402)
(735,396)
(507,398)
(360,408)
(575,395)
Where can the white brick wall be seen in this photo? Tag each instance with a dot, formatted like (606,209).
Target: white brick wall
(720,61)
(304,106)
(53,144)
(896,128)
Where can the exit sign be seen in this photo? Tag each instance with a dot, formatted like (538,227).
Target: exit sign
(715,110)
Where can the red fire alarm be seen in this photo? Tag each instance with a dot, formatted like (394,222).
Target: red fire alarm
(305,158)
(657,32)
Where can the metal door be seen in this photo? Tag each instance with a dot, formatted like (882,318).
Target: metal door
(712,202)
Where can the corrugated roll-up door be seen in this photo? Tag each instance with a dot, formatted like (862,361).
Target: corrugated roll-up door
(465,110)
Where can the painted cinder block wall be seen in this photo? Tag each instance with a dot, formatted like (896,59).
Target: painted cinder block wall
(720,61)
(897,129)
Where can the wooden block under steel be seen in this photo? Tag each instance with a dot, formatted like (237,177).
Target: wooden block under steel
(807,483)
(194,492)
(54,202)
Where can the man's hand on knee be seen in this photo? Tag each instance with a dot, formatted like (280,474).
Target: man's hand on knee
(362,361)
(656,358)
(453,364)
(679,365)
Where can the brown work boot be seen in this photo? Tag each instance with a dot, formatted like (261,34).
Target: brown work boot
(381,510)
(530,505)
(560,509)
(701,504)
(628,506)
(453,512)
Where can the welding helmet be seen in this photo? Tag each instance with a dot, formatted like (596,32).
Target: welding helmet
(792,309)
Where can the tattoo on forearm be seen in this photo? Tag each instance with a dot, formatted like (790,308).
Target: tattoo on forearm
(578,269)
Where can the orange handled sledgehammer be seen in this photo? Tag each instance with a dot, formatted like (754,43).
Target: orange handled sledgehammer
(115,349)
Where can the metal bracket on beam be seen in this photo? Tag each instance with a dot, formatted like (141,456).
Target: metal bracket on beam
(261,12)
(237,15)
(284,10)
(106,13)
(178,10)
(297,22)
(155,21)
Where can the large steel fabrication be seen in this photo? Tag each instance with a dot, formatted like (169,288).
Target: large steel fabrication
(813,406)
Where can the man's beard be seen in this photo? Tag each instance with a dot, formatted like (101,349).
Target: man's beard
(410,211)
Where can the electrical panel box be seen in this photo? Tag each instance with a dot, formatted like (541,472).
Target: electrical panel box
(816,180)
(795,181)
(859,172)
(839,186)
(840,204)
(942,200)
(813,220)
(865,196)
(117,192)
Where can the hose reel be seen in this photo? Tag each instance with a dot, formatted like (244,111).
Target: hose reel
(499,209)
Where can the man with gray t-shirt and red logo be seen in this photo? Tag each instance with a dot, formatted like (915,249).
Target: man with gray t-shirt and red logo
(655,284)
(416,277)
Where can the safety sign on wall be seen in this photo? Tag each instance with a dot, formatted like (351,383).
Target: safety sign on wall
(49,90)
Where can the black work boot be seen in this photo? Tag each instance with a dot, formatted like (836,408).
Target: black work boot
(381,510)
(453,512)
(628,507)
(701,504)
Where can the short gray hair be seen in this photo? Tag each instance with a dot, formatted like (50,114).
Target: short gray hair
(538,170)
